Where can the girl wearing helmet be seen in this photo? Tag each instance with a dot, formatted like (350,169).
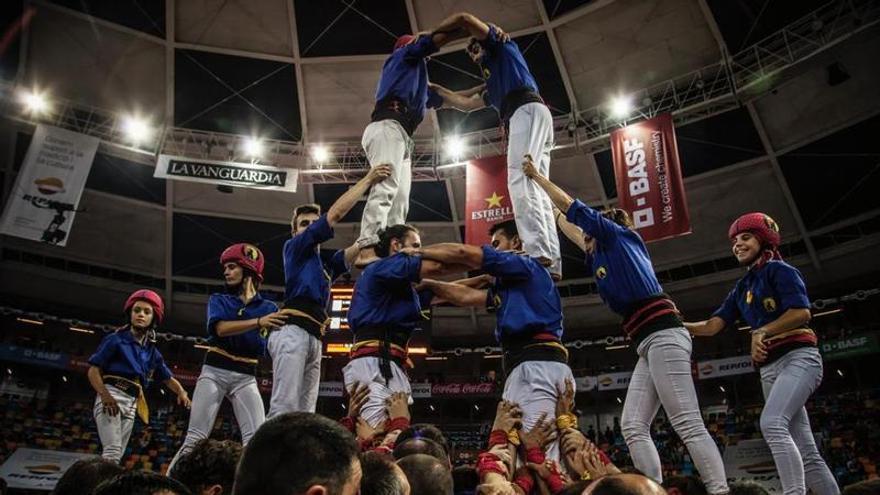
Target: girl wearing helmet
(625,277)
(235,320)
(772,299)
(126,362)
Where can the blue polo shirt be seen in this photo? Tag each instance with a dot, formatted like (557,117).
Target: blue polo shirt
(764,294)
(229,307)
(620,262)
(384,294)
(524,296)
(120,354)
(405,76)
(504,69)
(305,274)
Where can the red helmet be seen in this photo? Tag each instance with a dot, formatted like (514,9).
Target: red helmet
(148,296)
(403,40)
(246,256)
(761,225)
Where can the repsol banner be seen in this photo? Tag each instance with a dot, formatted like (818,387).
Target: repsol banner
(648,175)
(614,381)
(487,200)
(36,469)
(226,173)
(715,368)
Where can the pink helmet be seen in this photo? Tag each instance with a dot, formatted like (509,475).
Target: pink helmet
(761,225)
(148,296)
(403,40)
(246,256)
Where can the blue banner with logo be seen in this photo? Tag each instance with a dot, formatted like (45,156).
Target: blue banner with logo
(27,355)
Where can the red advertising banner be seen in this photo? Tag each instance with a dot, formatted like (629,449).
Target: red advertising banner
(487,200)
(648,176)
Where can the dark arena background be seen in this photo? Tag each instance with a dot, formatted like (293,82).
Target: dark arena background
(775,107)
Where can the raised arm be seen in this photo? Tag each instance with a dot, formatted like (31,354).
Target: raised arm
(348,199)
(465,101)
(450,253)
(457,294)
(460,25)
(560,198)
(572,231)
(705,328)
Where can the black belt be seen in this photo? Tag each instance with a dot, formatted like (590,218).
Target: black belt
(128,387)
(395,109)
(387,337)
(312,316)
(522,350)
(515,99)
(218,360)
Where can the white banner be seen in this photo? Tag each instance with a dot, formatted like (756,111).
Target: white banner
(36,469)
(614,381)
(585,383)
(715,368)
(330,389)
(20,388)
(751,460)
(226,173)
(421,390)
(49,185)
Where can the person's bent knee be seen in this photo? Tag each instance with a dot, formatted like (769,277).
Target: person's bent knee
(773,426)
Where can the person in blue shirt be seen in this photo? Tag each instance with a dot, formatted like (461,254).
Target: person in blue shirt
(512,91)
(529,326)
(126,362)
(621,265)
(296,346)
(772,299)
(385,310)
(235,345)
(402,98)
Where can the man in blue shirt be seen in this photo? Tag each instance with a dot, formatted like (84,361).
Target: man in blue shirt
(385,310)
(529,318)
(296,347)
(402,97)
(235,346)
(126,362)
(512,91)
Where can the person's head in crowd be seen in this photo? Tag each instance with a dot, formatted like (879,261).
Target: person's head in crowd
(84,475)
(299,454)
(425,430)
(866,487)
(381,476)
(397,237)
(576,488)
(427,475)
(209,468)
(141,483)
(747,488)
(684,485)
(412,446)
(624,484)
(465,480)
(505,236)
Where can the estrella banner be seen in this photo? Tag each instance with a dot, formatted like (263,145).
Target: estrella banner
(487,200)
(648,176)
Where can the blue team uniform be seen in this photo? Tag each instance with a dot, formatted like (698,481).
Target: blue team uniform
(249,346)
(762,296)
(527,306)
(509,83)
(624,274)
(307,277)
(120,354)
(403,93)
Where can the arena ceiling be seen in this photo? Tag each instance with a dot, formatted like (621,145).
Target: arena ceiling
(304,71)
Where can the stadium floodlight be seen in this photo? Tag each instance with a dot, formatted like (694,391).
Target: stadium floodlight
(137,129)
(455,147)
(320,153)
(253,147)
(620,107)
(34,102)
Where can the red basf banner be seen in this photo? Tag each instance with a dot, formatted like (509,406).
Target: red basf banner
(648,175)
(487,201)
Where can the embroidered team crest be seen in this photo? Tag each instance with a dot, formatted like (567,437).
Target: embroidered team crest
(769,304)
(749,297)
(486,73)
(251,252)
(601,272)
(771,224)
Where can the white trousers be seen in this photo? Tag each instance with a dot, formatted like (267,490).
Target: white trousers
(531,132)
(296,370)
(535,387)
(365,371)
(115,431)
(385,142)
(215,384)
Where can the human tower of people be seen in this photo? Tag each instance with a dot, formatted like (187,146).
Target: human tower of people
(519,270)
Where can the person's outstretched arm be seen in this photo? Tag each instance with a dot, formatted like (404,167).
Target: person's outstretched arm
(572,231)
(467,100)
(561,200)
(451,253)
(456,294)
(349,198)
(705,328)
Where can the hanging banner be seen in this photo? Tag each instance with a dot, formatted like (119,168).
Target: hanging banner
(648,176)
(487,200)
(716,368)
(751,460)
(421,390)
(37,469)
(49,185)
(614,381)
(857,345)
(585,383)
(226,173)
